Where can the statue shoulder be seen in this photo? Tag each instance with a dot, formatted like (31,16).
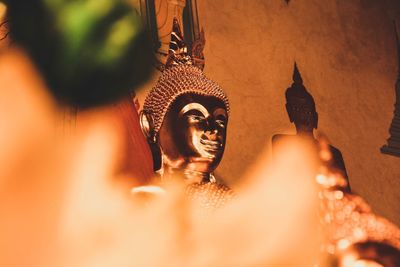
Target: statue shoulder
(277,137)
(335,151)
(338,159)
(282,137)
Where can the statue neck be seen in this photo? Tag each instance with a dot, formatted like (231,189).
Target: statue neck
(304,132)
(196,176)
(190,176)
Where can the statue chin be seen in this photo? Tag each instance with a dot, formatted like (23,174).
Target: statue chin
(200,164)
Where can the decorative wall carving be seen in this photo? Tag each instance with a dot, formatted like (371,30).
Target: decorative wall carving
(158,16)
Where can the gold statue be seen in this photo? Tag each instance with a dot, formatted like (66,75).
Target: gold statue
(186,115)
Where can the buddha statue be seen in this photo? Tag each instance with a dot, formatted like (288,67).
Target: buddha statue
(300,107)
(185,117)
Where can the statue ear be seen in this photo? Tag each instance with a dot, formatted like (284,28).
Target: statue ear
(316,120)
(289,112)
(147,126)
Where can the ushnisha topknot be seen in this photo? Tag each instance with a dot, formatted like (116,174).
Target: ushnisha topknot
(297,91)
(180,77)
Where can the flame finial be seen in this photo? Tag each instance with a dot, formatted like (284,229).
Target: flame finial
(178,50)
(296,75)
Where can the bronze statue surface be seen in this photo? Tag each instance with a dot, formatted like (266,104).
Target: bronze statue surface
(192,136)
(185,117)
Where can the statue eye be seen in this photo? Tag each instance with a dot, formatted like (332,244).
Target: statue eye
(220,120)
(221,123)
(196,118)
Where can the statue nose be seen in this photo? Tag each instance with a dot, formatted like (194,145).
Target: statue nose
(213,135)
(212,129)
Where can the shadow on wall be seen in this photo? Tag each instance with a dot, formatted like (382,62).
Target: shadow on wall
(300,107)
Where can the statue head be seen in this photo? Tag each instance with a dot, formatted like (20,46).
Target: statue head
(186,114)
(300,105)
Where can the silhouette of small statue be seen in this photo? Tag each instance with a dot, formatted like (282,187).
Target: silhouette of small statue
(300,107)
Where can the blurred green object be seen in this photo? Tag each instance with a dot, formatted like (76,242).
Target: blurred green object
(90,51)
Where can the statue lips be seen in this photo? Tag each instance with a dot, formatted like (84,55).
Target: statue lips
(212,147)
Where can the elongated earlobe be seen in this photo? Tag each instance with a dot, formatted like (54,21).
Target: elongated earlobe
(147,126)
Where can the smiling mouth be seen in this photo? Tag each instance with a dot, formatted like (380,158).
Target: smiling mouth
(211,146)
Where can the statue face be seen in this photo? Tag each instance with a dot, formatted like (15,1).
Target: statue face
(303,114)
(193,133)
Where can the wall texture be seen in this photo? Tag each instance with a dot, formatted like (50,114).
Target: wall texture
(347,56)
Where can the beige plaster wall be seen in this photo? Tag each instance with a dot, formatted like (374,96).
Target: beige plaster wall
(346,53)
